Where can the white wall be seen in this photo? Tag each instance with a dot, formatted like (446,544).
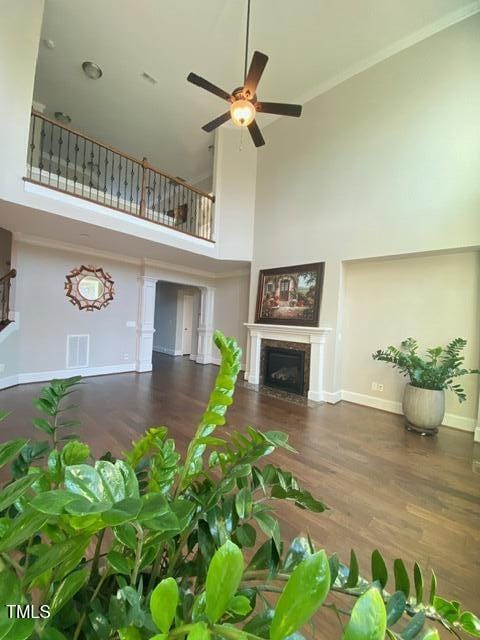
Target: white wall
(385,163)
(46,316)
(431,298)
(20,26)
(234,184)
(231,307)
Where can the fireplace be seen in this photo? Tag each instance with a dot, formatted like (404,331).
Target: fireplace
(285,366)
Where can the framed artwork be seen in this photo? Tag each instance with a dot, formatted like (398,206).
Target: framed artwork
(290,295)
(89,288)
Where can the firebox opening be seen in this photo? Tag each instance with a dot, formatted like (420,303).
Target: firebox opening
(284,369)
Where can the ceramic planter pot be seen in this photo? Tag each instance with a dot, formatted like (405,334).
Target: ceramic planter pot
(424,409)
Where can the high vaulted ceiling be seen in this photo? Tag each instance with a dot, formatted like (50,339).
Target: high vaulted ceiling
(310,43)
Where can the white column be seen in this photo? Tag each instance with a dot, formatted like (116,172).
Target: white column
(476,435)
(205,328)
(255,354)
(145,324)
(317,349)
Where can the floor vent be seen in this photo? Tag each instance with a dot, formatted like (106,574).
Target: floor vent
(78,348)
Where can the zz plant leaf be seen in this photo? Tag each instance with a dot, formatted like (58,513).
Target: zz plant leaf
(163,604)
(368,620)
(303,594)
(223,578)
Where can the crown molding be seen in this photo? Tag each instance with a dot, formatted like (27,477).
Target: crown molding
(448,20)
(37,241)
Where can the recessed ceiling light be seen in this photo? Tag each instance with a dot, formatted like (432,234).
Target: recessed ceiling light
(84,235)
(64,118)
(47,42)
(92,70)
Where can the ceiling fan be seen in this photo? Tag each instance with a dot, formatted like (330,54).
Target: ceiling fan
(243,100)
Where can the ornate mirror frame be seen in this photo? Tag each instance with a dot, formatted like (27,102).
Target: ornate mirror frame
(72,287)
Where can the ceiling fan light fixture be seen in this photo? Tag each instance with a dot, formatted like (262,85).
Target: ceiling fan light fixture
(242,113)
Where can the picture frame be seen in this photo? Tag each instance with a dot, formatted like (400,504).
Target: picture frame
(290,295)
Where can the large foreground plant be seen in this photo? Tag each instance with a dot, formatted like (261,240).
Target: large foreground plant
(155,546)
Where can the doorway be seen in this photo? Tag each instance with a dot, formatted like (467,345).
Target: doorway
(176,319)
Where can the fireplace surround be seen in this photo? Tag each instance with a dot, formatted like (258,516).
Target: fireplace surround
(314,337)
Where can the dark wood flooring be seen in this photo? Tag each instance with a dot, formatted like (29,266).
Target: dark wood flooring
(411,497)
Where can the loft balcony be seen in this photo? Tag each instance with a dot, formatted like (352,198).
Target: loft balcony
(73,163)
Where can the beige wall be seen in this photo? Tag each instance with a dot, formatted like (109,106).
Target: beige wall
(433,299)
(385,163)
(47,317)
(231,308)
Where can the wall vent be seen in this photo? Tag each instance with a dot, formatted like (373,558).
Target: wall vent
(78,351)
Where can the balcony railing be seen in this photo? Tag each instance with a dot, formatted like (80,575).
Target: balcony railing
(5,283)
(69,161)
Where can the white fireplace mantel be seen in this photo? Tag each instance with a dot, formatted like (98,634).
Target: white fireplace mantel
(315,336)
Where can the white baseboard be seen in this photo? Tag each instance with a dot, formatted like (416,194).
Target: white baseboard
(392,406)
(8,381)
(12,327)
(372,401)
(476,435)
(167,351)
(46,376)
(332,397)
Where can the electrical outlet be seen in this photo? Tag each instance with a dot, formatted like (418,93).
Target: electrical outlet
(379,387)
(126,356)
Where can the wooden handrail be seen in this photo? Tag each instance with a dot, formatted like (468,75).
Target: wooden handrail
(9,275)
(5,282)
(146,165)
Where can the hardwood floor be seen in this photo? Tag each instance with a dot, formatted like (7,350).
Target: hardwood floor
(411,497)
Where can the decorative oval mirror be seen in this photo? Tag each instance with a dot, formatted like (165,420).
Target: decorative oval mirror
(89,288)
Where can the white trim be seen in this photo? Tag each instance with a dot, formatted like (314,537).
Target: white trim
(459,422)
(12,327)
(450,420)
(9,381)
(442,23)
(167,351)
(112,214)
(476,435)
(46,376)
(332,397)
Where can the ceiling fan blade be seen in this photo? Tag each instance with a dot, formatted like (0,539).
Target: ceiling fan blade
(256,134)
(208,86)
(279,108)
(254,74)
(210,126)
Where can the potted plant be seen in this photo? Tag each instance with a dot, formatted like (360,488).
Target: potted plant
(153,545)
(424,396)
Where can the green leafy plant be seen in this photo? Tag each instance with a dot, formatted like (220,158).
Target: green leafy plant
(435,371)
(156,546)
